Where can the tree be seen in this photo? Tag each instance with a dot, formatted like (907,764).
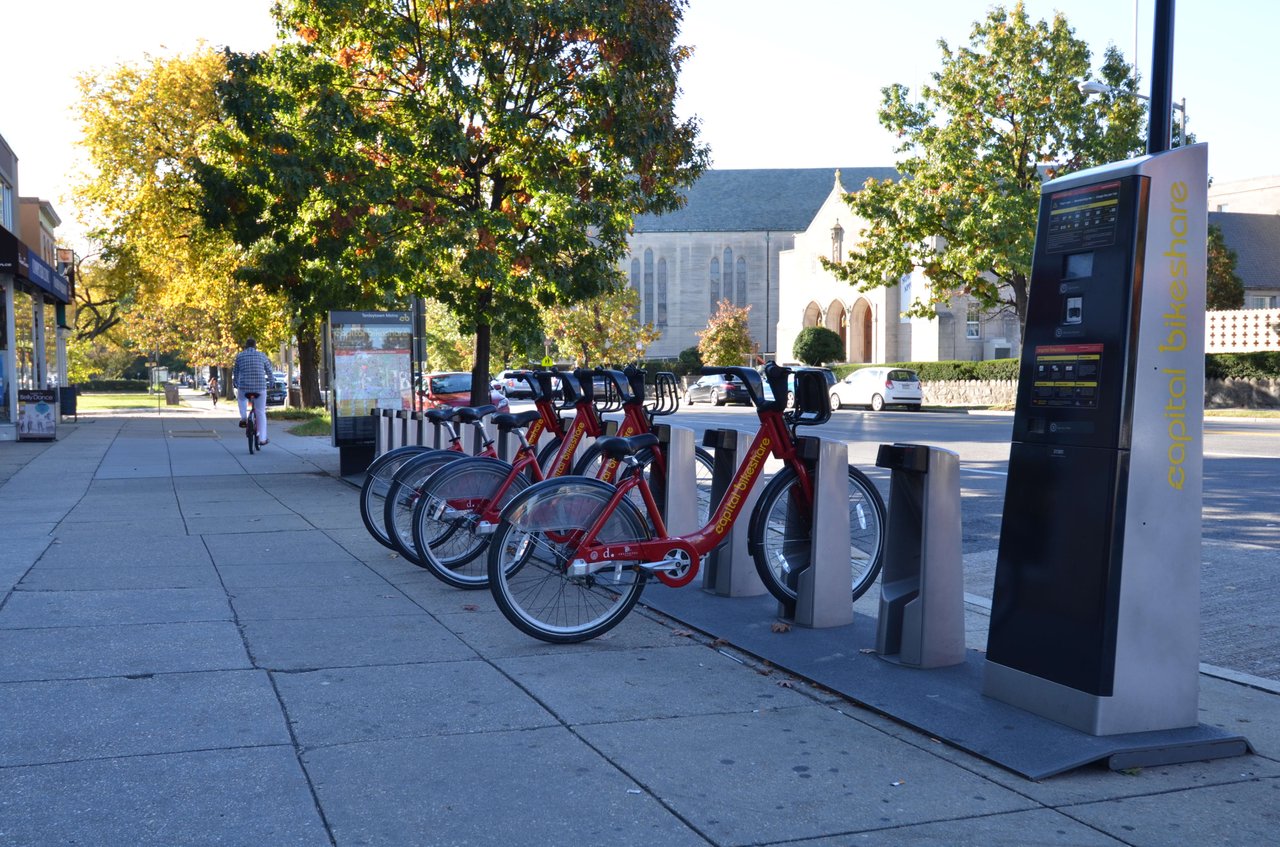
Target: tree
(817,344)
(727,339)
(489,155)
(601,330)
(161,276)
(1225,287)
(1002,115)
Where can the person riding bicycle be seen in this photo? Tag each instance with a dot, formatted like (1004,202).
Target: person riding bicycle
(250,375)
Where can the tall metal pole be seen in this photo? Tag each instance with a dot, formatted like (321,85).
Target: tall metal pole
(1159,121)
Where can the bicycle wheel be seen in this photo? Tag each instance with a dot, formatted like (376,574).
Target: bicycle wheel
(251,430)
(529,561)
(704,468)
(403,494)
(377,481)
(448,513)
(779,535)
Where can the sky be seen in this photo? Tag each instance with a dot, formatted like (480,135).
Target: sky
(773,84)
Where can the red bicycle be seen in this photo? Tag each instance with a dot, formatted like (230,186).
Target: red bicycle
(571,556)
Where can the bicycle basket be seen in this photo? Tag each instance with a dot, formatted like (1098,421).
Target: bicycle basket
(666,395)
(813,401)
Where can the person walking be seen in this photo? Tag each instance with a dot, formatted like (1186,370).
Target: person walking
(213,389)
(250,375)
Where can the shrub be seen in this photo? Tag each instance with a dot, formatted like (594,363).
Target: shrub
(1263,365)
(817,344)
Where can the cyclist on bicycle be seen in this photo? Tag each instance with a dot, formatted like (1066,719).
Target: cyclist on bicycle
(251,374)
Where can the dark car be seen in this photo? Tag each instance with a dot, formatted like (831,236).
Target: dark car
(717,389)
(454,389)
(275,394)
(791,384)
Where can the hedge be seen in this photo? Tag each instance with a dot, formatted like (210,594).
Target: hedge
(113,386)
(1242,365)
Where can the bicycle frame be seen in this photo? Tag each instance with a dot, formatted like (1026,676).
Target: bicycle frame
(668,557)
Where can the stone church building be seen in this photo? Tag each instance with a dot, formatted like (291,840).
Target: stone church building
(753,237)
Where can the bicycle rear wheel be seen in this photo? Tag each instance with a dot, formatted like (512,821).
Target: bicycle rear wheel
(780,542)
(529,561)
(402,497)
(447,515)
(251,430)
(377,482)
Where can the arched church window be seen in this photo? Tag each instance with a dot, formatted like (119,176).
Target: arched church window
(648,286)
(741,273)
(715,285)
(662,292)
(635,284)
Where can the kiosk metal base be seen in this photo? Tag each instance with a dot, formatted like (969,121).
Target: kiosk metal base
(946,703)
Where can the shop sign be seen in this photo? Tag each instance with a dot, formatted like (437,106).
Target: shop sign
(37,414)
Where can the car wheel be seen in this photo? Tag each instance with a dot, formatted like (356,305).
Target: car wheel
(715,399)
(877,403)
(835,402)
(688,399)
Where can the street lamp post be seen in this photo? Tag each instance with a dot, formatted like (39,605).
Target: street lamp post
(1094,86)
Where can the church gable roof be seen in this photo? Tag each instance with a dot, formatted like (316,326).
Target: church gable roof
(757,200)
(1256,240)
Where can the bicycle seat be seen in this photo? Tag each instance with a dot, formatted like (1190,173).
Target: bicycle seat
(616,447)
(439,415)
(252,395)
(514,420)
(471,414)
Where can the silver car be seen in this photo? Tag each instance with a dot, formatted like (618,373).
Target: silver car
(877,388)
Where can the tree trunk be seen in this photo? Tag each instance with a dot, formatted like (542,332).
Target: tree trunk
(480,370)
(309,363)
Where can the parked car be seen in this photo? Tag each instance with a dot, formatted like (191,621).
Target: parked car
(877,388)
(513,387)
(717,389)
(453,388)
(275,393)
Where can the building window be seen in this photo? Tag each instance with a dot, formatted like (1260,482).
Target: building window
(741,273)
(648,286)
(6,205)
(1264,302)
(662,292)
(973,322)
(635,284)
(715,285)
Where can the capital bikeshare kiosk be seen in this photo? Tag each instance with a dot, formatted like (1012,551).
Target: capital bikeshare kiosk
(1095,613)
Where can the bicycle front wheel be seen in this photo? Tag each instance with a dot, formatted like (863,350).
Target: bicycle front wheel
(780,541)
(530,571)
(251,430)
(377,482)
(403,495)
(447,517)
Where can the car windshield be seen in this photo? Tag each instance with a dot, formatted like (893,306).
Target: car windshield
(451,384)
(902,376)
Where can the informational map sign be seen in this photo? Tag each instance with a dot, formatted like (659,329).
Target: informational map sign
(37,414)
(369,366)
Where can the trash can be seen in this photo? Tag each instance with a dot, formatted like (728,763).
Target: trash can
(67,401)
(171,394)
(921,620)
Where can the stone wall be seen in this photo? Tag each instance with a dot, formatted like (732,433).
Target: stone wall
(1219,393)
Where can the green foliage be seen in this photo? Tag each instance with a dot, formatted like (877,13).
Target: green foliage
(490,156)
(727,339)
(1262,365)
(949,371)
(690,361)
(815,345)
(1225,288)
(1002,114)
(600,330)
(113,386)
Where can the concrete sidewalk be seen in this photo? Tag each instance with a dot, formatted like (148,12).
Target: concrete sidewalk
(198,646)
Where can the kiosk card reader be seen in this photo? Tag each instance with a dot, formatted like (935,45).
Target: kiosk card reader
(1095,612)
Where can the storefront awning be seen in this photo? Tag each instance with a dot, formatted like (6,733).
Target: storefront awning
(17,259)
